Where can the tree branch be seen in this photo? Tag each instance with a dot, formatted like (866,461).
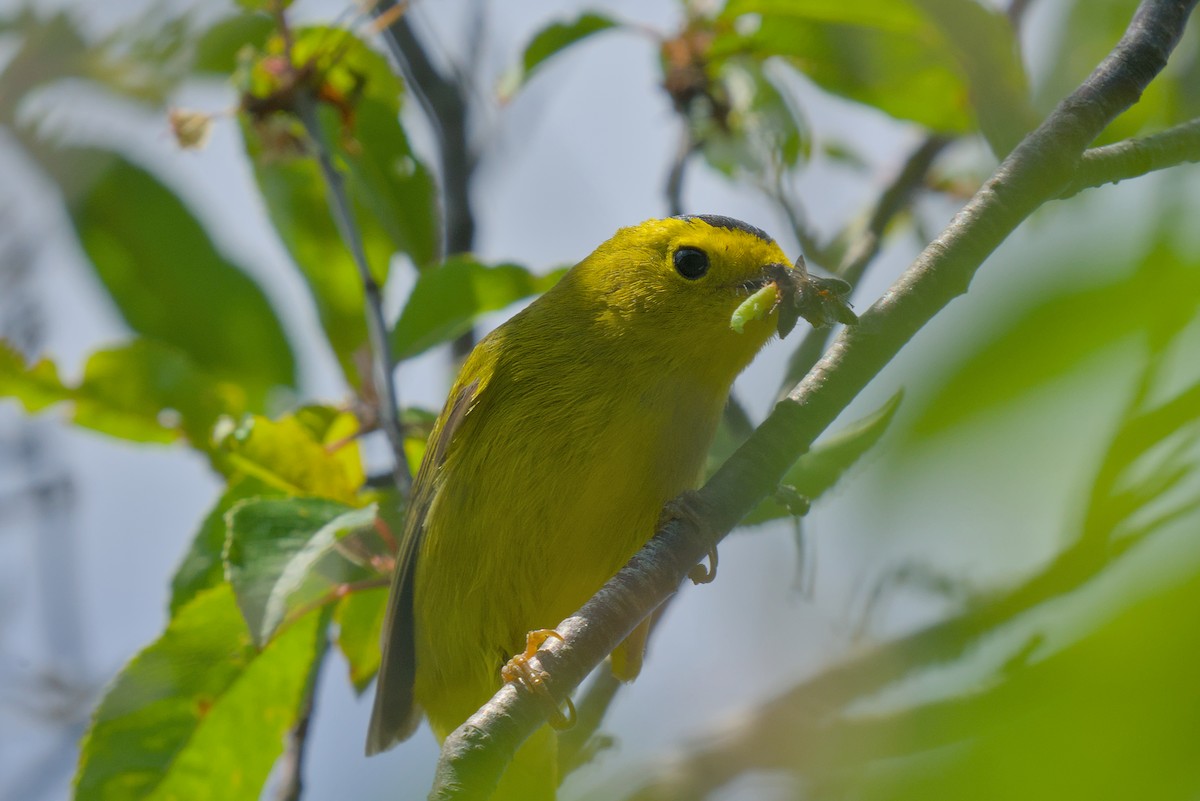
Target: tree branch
(442,100)
(388,407)
(475,754)
(1136,157)
(895,197)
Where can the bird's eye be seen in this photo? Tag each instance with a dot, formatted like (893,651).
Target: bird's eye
(691,263)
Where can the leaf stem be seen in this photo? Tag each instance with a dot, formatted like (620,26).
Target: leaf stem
(388,406)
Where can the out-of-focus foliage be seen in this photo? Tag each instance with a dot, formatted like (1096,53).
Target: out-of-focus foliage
(130,226)
(549,41)
(294,553)
(449,298)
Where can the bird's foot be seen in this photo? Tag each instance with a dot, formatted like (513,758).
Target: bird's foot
(519,670)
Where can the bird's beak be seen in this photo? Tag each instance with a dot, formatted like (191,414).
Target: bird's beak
(820,301)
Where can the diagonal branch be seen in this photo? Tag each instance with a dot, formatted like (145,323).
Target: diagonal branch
(894,199)
(474,756)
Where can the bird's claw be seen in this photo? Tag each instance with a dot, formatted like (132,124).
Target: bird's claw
(519,670)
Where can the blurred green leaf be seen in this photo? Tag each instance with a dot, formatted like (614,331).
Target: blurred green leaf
(449,298)
(281,557)
(549,42)
(143,391)
(1055,333)
(1110,715)
(930,61)
(985,46)
(817,471)
(762,135)
(884,53)
(202,567)
(199,714)
(218,47)
(170,283)
(391,192)
(293,457)
(35,385)
(148,391)
(360,624)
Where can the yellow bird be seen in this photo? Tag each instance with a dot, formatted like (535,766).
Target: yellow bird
(567,430)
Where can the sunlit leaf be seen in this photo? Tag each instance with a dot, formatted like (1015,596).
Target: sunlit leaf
(143,391)
(549,42)
(360,622)
(170,283)
(148,391)
(290,456)
(202,567)
(281,557)
(35,386)
(817,471)
(448,299)
(199,714)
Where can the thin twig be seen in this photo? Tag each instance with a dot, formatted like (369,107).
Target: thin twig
(475,754)
(443,100)
(673,189)
(381,353)
(291,762)
(1134,158)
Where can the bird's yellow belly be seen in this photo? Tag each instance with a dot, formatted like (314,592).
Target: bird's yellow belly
(520,557)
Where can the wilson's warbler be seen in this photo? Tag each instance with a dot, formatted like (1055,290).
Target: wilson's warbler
(567,430)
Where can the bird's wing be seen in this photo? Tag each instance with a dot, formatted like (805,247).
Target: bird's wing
(395,715)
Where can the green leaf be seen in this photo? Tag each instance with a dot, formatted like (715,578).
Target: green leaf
(291,456)
(360,624)
(817,471)
(549,42)
(202,567)
(1055,333)
(148,391)
(143,391)
(170,284)
(763,132)
(35,385)
(199,714)
(985,46)
(884,53)
(447,300)
(281,557)
(390,191)
(218,48)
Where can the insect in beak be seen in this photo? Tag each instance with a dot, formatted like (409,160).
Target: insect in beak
(820,301)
